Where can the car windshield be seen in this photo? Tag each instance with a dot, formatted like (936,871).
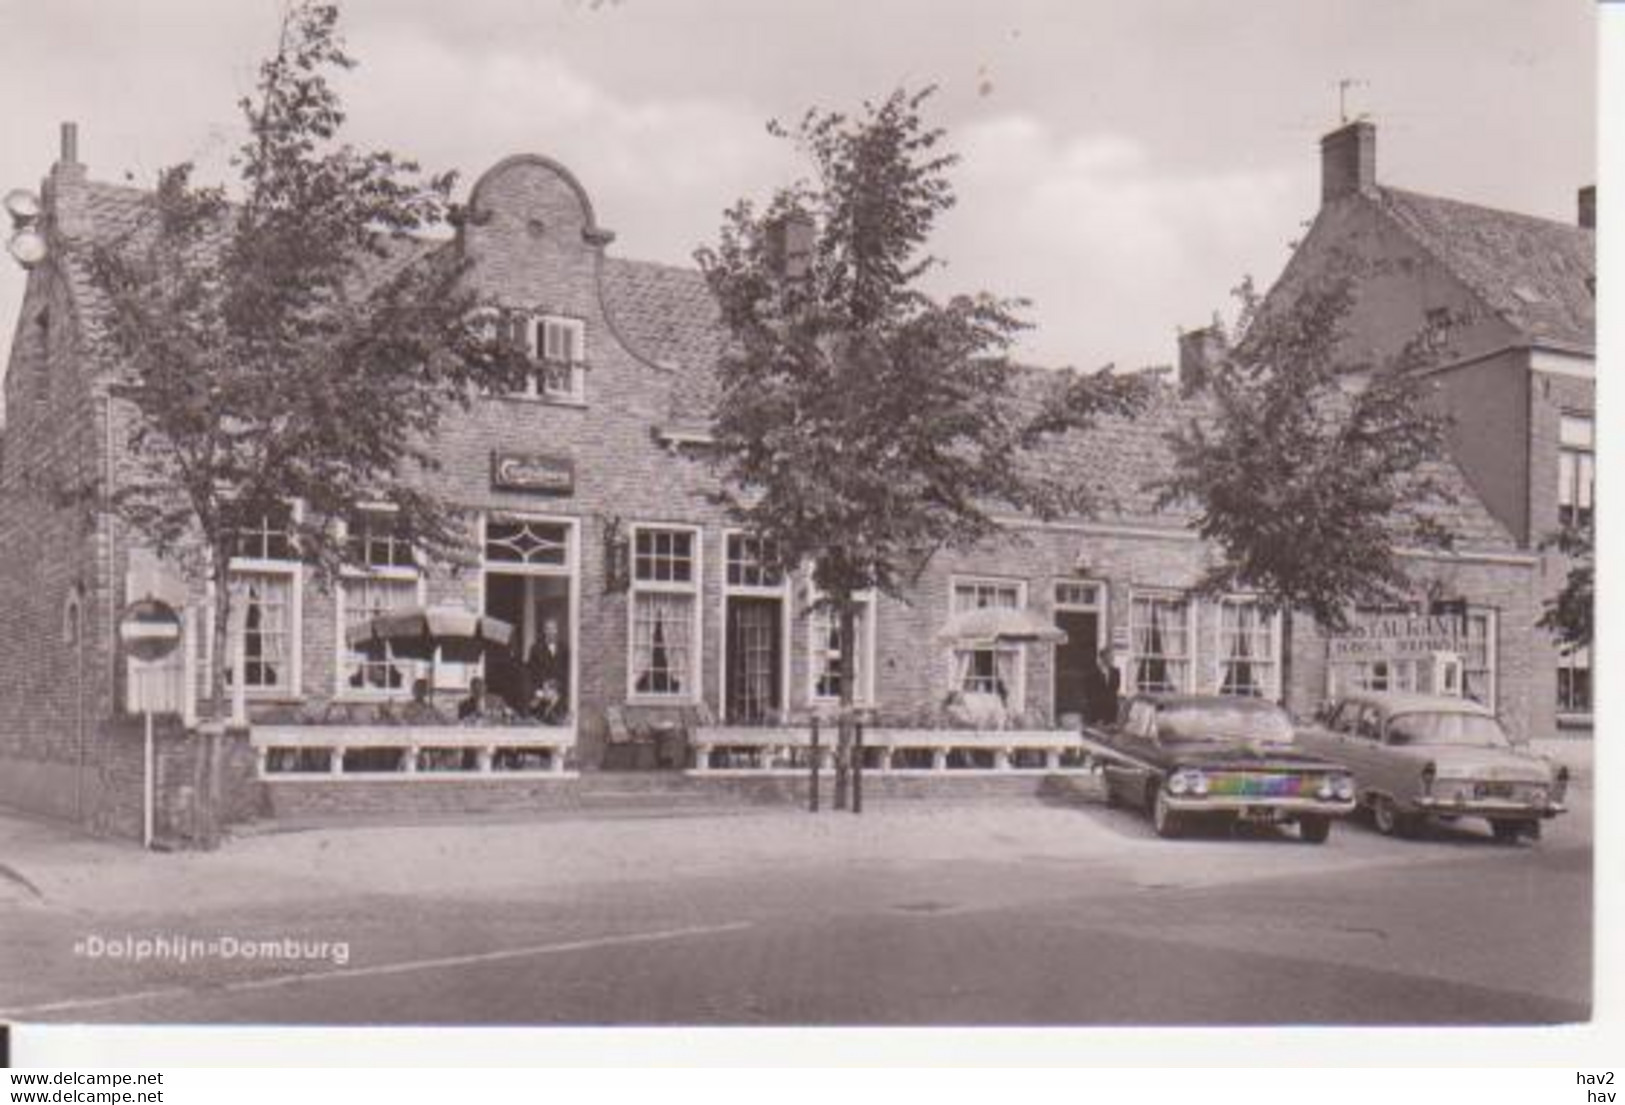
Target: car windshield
(1221,725)
(1471,730)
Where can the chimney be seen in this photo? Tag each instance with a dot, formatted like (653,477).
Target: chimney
(67,168)
(1348,161)
(1588,207)
(1199,354)
(790,244)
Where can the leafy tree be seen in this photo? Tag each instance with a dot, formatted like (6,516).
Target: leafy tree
(1569,614)
(862,426)
(1309,473)
(290,342)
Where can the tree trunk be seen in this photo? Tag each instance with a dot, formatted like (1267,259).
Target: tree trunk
(205,768)
(1285,694)
(847,612)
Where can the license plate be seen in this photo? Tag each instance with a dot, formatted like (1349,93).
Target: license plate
(1266,814)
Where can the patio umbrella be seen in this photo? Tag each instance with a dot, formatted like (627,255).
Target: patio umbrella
(448,633)
(999,623)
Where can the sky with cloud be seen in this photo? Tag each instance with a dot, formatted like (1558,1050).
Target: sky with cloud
(1124,164)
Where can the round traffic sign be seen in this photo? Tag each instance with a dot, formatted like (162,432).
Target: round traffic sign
(150,629)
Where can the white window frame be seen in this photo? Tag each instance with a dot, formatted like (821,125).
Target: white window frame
(1576,659)
(693,588)
(784,590)
(1131,681)
(1018,693)
(1099,606)
(1492,659)
(342,691)
(868,617)
(537,327)
(294,572)
(570,569)
(1272,684)
(1577,465)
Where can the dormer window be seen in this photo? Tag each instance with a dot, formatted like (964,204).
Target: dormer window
(558,349)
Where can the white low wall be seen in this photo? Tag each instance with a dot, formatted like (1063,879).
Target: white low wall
(756,750)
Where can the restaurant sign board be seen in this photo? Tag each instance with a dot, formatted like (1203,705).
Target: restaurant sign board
(536,473)
(1394,636)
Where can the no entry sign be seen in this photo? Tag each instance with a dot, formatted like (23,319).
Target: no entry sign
(150,629)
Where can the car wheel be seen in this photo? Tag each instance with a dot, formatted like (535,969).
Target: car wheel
(1165,820)
(1314,830)
(1388,819)
(1510,832)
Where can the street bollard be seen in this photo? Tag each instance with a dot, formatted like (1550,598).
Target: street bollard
(812,770)
(857,769)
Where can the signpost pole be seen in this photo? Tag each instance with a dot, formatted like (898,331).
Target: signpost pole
(149,630)
(146,782)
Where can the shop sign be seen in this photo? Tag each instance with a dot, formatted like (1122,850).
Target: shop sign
(536,473)
(1396,636)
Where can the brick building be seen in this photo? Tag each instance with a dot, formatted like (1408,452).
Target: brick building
(588,500)
(1520,377)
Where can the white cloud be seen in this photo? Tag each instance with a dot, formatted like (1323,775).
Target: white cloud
(1116,250)
(659,171)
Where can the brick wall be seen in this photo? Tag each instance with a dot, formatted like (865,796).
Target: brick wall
(1550,397)
(55,557)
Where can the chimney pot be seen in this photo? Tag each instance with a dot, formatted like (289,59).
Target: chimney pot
(790,244)
(70,144)
(1199,354)
(1588,207)
(1348,161)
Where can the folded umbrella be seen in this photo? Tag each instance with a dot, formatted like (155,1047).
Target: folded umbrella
(999,623)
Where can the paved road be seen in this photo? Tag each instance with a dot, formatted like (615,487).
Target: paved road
(1070,914)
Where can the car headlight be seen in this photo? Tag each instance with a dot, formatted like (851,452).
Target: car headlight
(1538,796)
(1187,781)
(1335,786)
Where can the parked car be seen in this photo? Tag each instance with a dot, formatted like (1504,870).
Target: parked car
(1189,758)
(1418,756)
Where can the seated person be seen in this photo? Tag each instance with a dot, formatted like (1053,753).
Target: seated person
(482,705)
(548,705)
(421,710)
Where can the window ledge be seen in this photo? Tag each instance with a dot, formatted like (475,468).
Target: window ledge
(1574,721)
(636,699)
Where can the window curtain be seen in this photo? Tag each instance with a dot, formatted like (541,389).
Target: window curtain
(1151,672)
(662,632)
(265,629)
(1005,661)
(1239,624)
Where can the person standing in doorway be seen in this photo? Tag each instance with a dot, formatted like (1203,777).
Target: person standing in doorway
(549,669)
(1103,689)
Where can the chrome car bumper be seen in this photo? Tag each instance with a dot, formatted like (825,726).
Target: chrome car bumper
(1488,807)
(1240,803)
